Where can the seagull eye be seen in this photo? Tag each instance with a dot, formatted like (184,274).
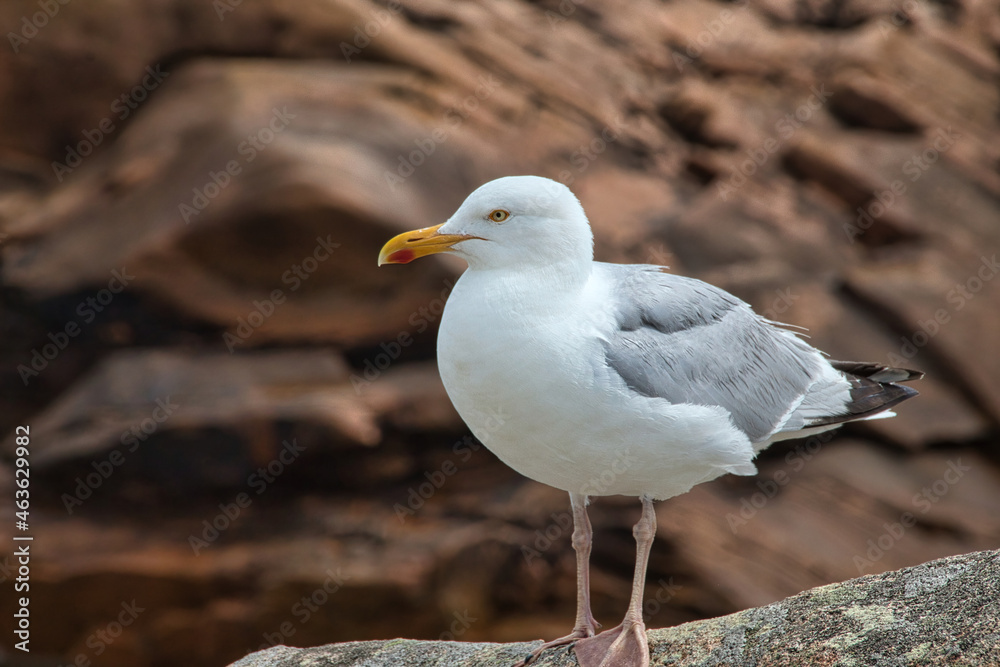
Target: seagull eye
(499,215)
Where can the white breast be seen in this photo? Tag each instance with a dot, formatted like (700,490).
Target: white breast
(531,383)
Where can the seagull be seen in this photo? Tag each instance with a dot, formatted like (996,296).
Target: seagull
(617,379)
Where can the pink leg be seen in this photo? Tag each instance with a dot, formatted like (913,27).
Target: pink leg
(625,645)
(583,536)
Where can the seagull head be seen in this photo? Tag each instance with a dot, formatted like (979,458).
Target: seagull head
(514,222)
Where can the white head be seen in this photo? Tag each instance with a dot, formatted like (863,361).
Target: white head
(514,222)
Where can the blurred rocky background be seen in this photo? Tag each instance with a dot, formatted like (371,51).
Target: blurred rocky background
(238,434)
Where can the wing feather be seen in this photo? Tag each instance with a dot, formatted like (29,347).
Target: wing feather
(686,341)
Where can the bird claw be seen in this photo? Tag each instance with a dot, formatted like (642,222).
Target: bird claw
(568,641)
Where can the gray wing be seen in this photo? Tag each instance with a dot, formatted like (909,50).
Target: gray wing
(686,341)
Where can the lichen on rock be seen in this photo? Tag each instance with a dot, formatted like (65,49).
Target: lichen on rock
(943,612)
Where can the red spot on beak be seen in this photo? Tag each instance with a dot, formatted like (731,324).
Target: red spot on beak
(402,257)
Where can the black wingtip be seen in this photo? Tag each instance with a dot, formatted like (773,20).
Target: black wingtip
(873,390)
(877,372)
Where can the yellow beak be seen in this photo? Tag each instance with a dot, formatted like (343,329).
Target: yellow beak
(408,246)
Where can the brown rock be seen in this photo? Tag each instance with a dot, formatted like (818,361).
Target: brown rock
(941,611)
(211,243)
(860,99)
(808,517)
(929,301)
(133,395)
(735,142)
